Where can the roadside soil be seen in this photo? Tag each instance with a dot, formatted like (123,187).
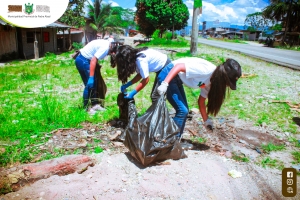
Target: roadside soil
(202,175)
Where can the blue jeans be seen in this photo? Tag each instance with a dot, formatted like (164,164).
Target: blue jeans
(83,67)
(176,97)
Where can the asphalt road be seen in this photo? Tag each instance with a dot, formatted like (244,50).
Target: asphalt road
(287,58)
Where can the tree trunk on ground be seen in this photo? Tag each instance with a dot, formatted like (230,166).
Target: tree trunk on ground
(194,36)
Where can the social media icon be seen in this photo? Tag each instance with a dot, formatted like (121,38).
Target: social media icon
(289,182)
(289,174)
(290,190)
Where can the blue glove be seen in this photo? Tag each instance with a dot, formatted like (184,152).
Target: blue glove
(90,83)
(130,95)
(123,87)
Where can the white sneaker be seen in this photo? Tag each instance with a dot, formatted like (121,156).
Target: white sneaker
(97,107)
(91,111)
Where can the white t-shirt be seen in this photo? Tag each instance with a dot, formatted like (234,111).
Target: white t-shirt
(198,72)
(153,61)
(98,48)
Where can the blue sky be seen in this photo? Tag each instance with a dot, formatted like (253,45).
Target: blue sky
(233,11)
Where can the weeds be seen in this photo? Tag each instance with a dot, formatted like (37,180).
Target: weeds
(239,157)
(272,147)
(272,163)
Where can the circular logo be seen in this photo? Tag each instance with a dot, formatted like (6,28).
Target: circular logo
(32,13)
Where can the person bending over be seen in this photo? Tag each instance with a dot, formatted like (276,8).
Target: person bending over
(198,73)
(141,61)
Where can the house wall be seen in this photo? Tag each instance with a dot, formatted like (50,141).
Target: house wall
(8,41)
(78,38)
(44,46)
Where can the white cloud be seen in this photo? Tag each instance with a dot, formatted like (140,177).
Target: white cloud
(234,12)
(113,4)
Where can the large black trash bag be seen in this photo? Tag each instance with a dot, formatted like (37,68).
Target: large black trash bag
(100,86)
(152,137)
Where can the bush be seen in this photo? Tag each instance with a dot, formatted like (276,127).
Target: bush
(77,45)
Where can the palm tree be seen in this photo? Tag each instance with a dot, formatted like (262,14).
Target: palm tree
(104,18)
(285,11)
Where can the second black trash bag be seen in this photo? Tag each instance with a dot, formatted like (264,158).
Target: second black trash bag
(152,137)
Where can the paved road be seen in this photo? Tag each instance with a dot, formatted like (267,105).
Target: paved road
(286,58)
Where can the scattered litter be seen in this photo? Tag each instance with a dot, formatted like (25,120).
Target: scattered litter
(258,151)
(235,174)
(248,75)
(295,107)
(297,167)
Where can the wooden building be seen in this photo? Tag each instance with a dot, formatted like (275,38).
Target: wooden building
(19,42)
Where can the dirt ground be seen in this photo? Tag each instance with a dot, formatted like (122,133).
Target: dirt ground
(203,175)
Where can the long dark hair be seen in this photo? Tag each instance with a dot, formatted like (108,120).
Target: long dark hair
(219,83)
(125,58)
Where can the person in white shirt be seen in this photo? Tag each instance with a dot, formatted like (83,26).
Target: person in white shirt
(86,64)
(198,73)
(141,61)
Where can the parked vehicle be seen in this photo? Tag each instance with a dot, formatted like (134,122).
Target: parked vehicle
(263,37)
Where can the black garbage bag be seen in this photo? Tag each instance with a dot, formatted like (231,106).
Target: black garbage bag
(152,137)
(123,108)
(100,87)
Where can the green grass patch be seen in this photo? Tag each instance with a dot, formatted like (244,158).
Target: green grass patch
(239,157)
(296,156)
(272,163)
(272,147)
(199,140)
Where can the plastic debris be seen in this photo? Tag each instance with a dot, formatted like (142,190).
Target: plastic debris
(234,174)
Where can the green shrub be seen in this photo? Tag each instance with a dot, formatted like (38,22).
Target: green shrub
(77,45)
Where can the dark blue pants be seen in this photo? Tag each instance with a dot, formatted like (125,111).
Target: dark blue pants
(83,67)
(176,97)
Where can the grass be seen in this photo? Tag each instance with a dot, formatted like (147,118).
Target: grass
(272,163)
(239,157)
(39,96)
(272,147)
(199,140)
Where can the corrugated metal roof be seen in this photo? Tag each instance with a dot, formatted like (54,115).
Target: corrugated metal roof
(57,25)
(52,25)
(67,32)
(2,22)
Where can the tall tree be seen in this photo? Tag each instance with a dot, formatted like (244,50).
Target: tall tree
(285,11)
(163,15)
(73,16)
(258,21)
(144,26)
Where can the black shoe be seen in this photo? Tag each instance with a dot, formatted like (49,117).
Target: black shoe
(186,146)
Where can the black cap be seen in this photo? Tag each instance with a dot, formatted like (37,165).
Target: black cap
(234,72)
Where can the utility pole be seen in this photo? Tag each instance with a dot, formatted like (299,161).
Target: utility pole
(195,30)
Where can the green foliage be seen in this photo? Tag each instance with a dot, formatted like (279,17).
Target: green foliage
(296,155)
(74,14)
(272,147)
(257,20)
(179,42)
(77,45)
(239,157)
(98,150)
(108,19)
(272,163)
(162,15)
